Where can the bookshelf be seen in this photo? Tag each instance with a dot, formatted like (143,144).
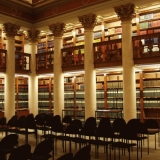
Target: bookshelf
(149,23)
(2,94)
(21,93)
(19,42)
(45,43)
(151,94)
(45,95)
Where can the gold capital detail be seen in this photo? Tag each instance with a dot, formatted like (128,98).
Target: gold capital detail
(10,29)
(88,21)
(125,12)
(57,29)
(33,35)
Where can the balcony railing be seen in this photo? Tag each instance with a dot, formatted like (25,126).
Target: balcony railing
(44,62)
(146,48)
(3,54)
(108,53)
(22,62)
(73,58)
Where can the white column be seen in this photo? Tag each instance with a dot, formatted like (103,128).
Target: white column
(90,76)
(33,78)
(126,13)
(9,101)
(88,22)
(10,31)
(58,87)
(58,77)
(129,86)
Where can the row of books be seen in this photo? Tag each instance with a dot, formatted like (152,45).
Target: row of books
(153,83)
(68,80)
(152,103)
(71,95)
(149,24)
(149,16)
(68,86)
(114,84)
(42,50)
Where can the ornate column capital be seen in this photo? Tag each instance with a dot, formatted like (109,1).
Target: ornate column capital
(88,21)
(57,29)
(125,12)
(33,35)
(10,29)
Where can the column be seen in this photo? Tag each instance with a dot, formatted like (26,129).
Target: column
(88,22)
(57,30)
(33,36)
(10,30)
(125,14)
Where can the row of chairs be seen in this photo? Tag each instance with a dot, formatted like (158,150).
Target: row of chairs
(116,135)
(9,145)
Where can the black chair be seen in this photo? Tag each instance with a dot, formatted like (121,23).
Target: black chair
(8,143)
(27,126)
(21,153)
(124,142)
(153,129)
(83,153)
(103,137)
(66,120)
(40,123)
(43,150)
(67,156)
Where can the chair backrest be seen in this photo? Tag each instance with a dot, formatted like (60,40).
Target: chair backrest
(44,147)
(83,153)
(104,122)
(67,156)
(118,124)
(67,119)
(77,122)
(57,119)
(30,122)
(22,121)
(91,121)
(20,153)
(40,119)
(72,129)
(9,141)
(133,124)
(13,121)
(151,124)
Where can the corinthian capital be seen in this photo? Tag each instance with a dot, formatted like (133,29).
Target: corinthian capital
(10,29)
(57,29)
(33,35)
(88,21)
(125,12)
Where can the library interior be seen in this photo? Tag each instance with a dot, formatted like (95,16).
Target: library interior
(86,58)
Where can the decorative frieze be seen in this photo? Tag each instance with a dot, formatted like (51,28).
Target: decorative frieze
(33,35)
(125,12)
(57,29)
(10,29)
(88,21)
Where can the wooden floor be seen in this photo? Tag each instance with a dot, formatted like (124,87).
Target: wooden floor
(153,155)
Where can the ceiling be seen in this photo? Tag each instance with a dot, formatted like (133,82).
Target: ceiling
(104,9)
